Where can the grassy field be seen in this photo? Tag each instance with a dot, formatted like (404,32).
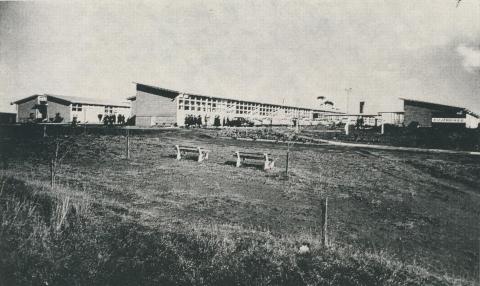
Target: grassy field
(411,213)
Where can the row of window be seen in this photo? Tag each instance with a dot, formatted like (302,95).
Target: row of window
(237,111)
(230,103)
(79,107)
(193,103)
(240,107)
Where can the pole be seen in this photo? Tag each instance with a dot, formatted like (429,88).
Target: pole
(44,131)
(128,144)
(286,165)
(324,206)
(52,173)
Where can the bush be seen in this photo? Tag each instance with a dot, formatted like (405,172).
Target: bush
(57,118)
(216,121)
(131,121)
(413,125)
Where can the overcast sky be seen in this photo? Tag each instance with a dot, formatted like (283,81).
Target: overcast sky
(273,51)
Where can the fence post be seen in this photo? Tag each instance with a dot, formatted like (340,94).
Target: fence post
(286,165)
(128,144)
(324,221)
(52,173)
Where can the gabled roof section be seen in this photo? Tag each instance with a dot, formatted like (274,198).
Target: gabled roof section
(28,98)
(156,90)
(476,115)
(433,105)
(174,93)
(72,99)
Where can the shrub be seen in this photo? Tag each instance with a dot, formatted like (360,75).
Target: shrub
(57,118)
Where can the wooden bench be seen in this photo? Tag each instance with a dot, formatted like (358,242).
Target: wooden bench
(265,157)
(202,153)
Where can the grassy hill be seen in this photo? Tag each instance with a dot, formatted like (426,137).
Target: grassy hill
(394,218)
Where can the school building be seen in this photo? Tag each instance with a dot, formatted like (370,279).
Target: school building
(153,105)
(428,114)
(65,109)
(422,113)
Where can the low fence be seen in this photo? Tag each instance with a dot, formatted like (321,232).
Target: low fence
(43,130)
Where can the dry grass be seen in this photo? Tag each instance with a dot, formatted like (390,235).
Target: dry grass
(94,248)
(412,209)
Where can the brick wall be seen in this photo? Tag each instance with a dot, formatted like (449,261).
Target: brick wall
(421,115)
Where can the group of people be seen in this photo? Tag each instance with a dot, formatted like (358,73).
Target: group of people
(197,121)
(113,119)
(191,120)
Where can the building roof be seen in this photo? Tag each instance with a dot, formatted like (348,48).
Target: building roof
(441,106)
(73,99)
(433,104)
(173,93)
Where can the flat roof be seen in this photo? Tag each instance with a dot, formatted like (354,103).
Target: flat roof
(173,93)
(74,99)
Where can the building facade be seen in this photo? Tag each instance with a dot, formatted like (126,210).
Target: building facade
(65,109)
(392,118)
(7,117)
(159,106)
(428,114)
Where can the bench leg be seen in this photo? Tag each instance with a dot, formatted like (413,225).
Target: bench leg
(272,164)
(200,155)
(179,155)
(268,164)
(239,161)
(206,155)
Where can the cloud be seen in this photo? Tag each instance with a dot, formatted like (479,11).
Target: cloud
(471,58)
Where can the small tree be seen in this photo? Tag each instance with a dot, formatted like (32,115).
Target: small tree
(57,118)
(100,116)
(131,121)
(216,121)
(121,119)
(413,125)
(60,149)
(74,122)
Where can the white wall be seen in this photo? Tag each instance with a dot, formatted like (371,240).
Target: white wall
(471,121)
